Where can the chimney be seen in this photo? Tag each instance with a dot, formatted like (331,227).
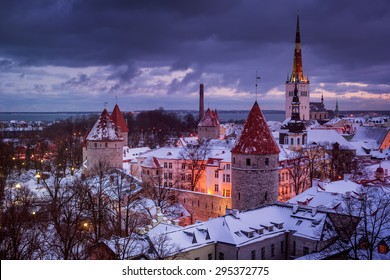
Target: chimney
(201,101)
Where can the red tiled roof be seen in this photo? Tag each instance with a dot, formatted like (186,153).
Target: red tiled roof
(210,118)
(118,119)
(256,138)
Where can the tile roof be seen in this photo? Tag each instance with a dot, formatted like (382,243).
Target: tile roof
(209,119)
(118,119)
(256,137)
(104,129)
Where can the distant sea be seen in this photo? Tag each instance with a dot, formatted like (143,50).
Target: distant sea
(53,116)
(41,116)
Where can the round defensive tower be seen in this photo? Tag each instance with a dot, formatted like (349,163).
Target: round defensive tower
(255,161)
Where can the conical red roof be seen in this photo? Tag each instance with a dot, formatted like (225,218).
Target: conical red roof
(256,138)
(118,119)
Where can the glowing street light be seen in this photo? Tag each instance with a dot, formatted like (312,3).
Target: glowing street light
(38,176)
(18,186)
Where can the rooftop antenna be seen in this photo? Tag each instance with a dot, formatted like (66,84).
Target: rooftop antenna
(257,78)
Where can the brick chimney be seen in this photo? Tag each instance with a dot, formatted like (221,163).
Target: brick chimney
(201,101)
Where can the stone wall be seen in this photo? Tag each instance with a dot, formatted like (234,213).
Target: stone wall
(108,153)
(255,184)
(209,132)
(203,206)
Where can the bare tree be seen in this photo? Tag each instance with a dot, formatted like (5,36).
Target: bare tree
(195,159)
(341,159)
(20,237)
(317,161)
(6,166)
(124,196)
(65,202)
(163,247)
(96,190)
(298,171)
(363,220)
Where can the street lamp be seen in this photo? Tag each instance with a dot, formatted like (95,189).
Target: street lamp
(38,176)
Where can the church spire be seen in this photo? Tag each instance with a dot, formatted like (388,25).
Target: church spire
(297,70)
(336,111)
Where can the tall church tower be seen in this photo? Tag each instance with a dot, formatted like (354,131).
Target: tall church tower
(302,81)
(296,134)
(255,162)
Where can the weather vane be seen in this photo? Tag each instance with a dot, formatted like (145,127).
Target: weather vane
(257,78)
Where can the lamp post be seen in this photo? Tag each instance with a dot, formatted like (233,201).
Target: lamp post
(38,176)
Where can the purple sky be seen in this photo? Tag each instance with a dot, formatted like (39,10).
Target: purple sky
(76,55)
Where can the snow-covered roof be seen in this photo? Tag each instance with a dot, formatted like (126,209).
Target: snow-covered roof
(256,137)
(209,119)
(332,122)
(131,153)
(241,228)
(151,162)
(327,137)
(183,141)
(217,149)
(104,129)
(327,195)
(367,133)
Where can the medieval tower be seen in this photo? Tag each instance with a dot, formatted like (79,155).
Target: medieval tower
(298,78)
(209,126)
(255,162)
(104,143)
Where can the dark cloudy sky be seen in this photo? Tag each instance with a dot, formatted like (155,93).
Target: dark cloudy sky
(75,55)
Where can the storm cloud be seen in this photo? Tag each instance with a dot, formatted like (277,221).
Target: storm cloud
(155,53)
